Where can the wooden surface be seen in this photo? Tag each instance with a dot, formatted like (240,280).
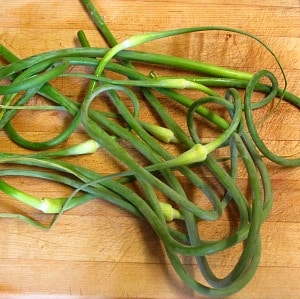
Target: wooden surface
(98,250)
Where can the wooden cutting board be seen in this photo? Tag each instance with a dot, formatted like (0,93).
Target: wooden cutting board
(98,250)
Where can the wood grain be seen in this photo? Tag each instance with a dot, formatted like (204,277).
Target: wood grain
(102,252)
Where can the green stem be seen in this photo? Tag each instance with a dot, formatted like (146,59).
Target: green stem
(26,84)
(220,140)
(98,20)
(250,122)
(32,201)
(87,147)
(39,145)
